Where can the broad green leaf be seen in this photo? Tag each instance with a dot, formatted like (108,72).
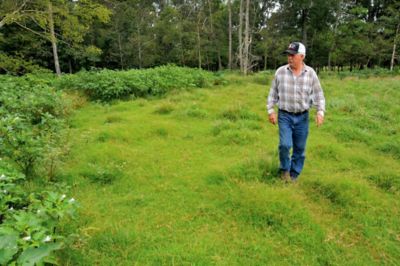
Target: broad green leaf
(8,245)
(35,255)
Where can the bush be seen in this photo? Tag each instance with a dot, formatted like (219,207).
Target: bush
(107,85)
(28,221)
(31,120)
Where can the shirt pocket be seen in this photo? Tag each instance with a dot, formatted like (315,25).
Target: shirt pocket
(305,88)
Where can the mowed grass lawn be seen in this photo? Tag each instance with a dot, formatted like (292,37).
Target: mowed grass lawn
(190,179)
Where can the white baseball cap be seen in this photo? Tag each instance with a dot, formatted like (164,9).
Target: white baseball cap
(296,48)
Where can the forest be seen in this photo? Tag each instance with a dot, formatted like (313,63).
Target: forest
(66,36)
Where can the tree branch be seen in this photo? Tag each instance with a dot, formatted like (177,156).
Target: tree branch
(4,20)
(33,31)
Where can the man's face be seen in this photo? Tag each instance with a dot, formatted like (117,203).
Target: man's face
(295,60)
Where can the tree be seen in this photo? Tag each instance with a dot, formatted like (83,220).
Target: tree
(391,27)
(57,20)
(11,10)
(230,34)
(247,39)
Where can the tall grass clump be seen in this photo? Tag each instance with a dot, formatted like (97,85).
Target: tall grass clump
(236,113)
(107,85)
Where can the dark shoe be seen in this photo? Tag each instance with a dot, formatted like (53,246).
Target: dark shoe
(293,178)
(285,176)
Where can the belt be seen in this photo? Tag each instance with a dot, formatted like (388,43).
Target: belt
(291,113)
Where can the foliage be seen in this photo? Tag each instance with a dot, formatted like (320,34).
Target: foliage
(107,85)
(66,21)
(124,34)
(18,66)
(28,221)
(31,120)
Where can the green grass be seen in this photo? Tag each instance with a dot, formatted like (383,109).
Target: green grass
(191,180)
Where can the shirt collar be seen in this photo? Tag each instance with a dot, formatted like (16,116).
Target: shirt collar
(305,68)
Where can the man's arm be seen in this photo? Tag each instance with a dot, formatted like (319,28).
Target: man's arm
(272,101)
(319,100)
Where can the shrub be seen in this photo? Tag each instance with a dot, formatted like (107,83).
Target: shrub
(31,120)
(28,221)
(107,85)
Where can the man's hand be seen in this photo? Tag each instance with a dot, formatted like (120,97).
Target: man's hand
(319,119)
(272,118)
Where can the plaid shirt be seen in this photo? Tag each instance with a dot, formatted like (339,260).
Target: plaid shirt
(296,94)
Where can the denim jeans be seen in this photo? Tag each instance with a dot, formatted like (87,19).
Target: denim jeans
(293,132)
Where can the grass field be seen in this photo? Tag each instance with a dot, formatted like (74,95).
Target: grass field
(190,179)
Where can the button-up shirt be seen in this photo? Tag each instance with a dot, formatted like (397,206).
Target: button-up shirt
(296,94)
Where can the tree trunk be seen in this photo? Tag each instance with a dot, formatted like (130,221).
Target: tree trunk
(139,47)
(70,65)
(394,48)
(265,61)
(182,50)
(230,35)
(121,62)
(246,39)
(53,39)
(214,39)
(219,60)
(240,36)
(304,26)
(199,42)
(329,60)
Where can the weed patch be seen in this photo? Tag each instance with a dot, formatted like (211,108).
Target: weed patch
(104,137)
(236,137)
(216,178)
(327,152)
(390,148)
(387,182)
(220,126)
(196,112)
(104,174)
(256,170)
(236,113)
(353,134)
(113,119)
(164,109)
(161,132)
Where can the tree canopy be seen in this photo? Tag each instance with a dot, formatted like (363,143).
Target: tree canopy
(70,35)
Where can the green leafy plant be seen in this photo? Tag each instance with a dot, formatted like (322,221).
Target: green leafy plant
(107,85)
(28,221)
(31,120)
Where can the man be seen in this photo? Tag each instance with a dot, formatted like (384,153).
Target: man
(294,89)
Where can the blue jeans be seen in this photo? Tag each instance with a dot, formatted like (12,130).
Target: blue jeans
(293,132)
